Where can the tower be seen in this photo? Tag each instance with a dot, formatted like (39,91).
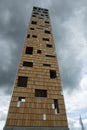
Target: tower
(37,101)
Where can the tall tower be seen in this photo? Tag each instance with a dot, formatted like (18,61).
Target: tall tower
(37,101)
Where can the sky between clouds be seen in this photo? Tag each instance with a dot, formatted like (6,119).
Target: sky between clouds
(69,23)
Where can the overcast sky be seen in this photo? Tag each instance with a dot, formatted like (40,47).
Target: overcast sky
(69,24)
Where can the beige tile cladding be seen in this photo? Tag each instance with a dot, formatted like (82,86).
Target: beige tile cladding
(30,112)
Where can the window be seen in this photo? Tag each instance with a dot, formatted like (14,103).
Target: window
(48,45)
(20,100)
(48,65)
(44,116)
(22,81)
(45,12)
(39,51)
(35,8)
(47,22)
(28,36)
(40,93)
(46,15)
(32,28)
(34,36)
(42,15)
(33,15)
(46,31)
(40,28)
(28,64)
(33,22)
(56,107)
(29,50)
(45,39)
(53,74)
(51,56)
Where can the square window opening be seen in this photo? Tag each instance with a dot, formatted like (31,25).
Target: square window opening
(29,50)
(39,51)
(22,81)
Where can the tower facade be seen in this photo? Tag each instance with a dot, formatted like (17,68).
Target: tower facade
(37,101)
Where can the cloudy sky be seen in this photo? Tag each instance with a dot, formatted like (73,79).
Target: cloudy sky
(69,23)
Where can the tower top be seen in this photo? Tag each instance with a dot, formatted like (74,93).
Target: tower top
(38,8)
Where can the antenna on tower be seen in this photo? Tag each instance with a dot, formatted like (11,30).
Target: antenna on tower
(81,123)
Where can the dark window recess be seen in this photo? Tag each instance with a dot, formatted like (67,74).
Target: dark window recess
(22,81)
(48,65)
(21,98)
(48,45)
(35,8)
(33,15)
(29,50)
(45,39)
(32,28)
(46,31)
(46,15)
(39,51)
(33,22)
(40,93)
(34,36)
(28,64)
(56,106)
(53,74)
(46,10)
(51,56)
(47,22)
(28,36)
(42,15)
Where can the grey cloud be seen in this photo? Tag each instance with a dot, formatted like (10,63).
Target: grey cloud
(15,16)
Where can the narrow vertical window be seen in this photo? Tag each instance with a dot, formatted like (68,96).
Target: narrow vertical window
(56,107)
(44,116)
(53,74)
(28,36)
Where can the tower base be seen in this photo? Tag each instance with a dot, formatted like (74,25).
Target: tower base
(34,128)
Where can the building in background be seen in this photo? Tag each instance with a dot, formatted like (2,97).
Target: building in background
(37,101)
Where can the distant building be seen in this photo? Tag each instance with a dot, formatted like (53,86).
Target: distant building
(37,101)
